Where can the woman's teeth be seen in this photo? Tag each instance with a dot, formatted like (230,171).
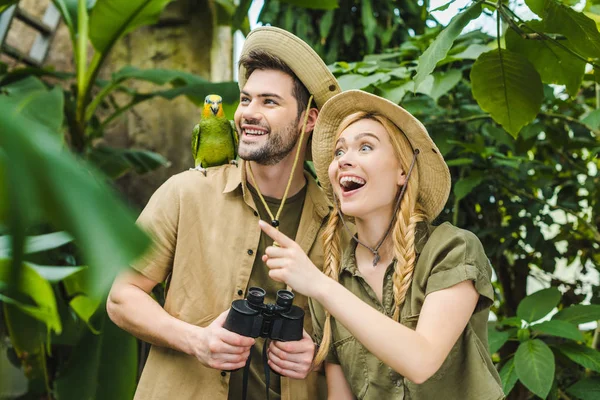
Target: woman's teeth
(351,182)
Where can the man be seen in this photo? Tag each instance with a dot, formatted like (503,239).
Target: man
(208,245)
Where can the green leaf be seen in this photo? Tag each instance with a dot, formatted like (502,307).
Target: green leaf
(85,307)
(98,359)
(116,162)
(459,161)
(582,355)
(356,81)
(241,14)
(538,304)
(466,185)
(34,244)
(439,48)
(439,83)
(496,339)
(112,19)
(32,96)
(314,4)
(508,87)
(369,24)
(553,63)
(54,274)
(562,329)
(586,389)
(579,314)
(443,7)
(31,284)
(325,23)
(592,119)
(395,92)
(534,364)
(471,52)
(581,31)
(4,4)
(68,194)
(508,375)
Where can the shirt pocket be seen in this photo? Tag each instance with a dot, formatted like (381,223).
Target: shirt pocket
(352,357)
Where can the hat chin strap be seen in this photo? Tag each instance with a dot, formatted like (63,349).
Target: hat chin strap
(375,250)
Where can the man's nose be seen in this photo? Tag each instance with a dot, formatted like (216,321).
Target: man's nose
(251,112)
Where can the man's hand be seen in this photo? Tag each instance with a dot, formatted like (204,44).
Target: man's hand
(222,349)
(292,359)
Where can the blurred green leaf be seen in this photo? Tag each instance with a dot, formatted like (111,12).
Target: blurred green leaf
(369,24)
(33,96)
(439,83)
(54,274)
(101,366)
(85,308)
(586,389)
(508,87)
(112,19)
(592,119)
(439,48)
(466,185)
(313,4)
(534,364)
(31,284)
(356,81)
(34,244)
(116,162)
(496,338)
(4,4)
(562,329)
(582,355)
(508,375)
(579,314)
(538,305)
(68,194)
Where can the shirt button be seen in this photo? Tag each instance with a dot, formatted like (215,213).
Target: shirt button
(398,383)
(240,292)
(255,213)
(223,373)
(250,252)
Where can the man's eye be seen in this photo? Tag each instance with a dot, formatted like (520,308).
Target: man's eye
(270,101)
(244,100)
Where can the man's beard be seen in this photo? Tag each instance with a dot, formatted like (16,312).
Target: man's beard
(278,145)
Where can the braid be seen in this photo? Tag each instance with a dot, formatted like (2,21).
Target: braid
(404,246)
(331,268)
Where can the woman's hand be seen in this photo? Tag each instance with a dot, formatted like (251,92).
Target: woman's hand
(289,264)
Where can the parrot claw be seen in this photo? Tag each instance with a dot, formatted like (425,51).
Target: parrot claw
(233,162)
(199,168)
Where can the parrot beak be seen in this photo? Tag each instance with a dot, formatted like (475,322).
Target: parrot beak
(214,108)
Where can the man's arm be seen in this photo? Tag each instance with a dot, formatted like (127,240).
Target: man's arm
(131,307)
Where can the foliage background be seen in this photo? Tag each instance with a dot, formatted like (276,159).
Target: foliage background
(515,114)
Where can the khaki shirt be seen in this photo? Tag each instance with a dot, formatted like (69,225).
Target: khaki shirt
(446,256)
(206,234)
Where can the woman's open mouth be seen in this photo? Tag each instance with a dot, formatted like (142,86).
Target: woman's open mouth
(350,184)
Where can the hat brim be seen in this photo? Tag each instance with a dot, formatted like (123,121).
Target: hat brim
(434,175)
(296,54)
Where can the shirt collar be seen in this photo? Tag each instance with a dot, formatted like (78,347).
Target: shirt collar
(236,177)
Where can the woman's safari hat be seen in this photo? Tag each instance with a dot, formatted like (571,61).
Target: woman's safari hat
(300,57)
(434,176)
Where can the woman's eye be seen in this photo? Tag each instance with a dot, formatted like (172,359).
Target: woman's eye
(338,153)
(366,147)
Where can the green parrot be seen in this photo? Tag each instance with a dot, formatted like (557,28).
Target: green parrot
(214,140)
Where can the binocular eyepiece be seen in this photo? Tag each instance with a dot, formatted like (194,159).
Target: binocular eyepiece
(253,318)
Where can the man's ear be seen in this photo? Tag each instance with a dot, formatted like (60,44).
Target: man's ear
(313,114)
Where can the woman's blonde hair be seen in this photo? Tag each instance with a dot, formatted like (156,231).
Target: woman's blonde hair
(403,233)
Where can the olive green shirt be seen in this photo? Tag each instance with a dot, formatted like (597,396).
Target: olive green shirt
(288,225)
(206,238)
(446,256)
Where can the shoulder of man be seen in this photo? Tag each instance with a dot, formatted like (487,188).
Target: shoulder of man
(193,182)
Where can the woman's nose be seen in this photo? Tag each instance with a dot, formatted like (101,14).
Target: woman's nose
(346,160)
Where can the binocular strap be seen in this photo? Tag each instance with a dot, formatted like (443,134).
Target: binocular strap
(266,368)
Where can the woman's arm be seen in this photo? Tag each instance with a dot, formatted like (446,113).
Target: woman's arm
(338,387)
(417,354)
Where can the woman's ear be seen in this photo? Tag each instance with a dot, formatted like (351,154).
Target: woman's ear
(401,177)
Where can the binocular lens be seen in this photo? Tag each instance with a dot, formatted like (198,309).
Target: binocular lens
(285,298)
(256,295)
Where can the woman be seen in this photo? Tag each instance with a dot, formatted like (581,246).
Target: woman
(401,308)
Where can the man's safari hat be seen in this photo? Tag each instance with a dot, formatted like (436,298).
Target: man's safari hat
(300,57)
(434,176)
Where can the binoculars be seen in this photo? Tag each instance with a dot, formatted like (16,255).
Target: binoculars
(251,317)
